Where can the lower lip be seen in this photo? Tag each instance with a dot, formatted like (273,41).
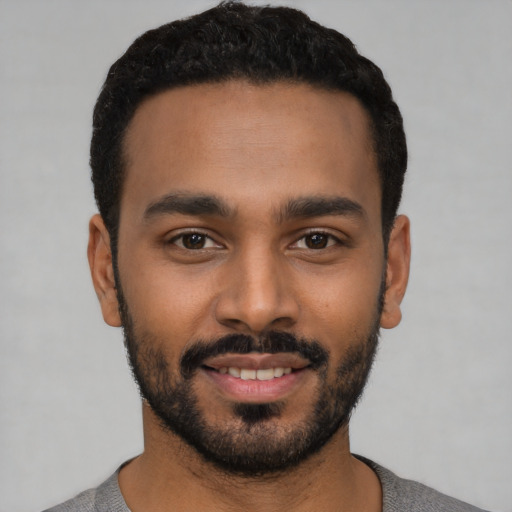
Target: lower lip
(256,391)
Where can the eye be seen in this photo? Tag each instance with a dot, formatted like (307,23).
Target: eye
(194,241)
(317,240)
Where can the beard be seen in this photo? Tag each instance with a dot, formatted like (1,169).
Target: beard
(254,443)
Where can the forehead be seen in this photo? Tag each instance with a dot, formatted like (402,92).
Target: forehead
(243,142)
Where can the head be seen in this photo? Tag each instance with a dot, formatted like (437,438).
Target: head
(248,164)
(258,44)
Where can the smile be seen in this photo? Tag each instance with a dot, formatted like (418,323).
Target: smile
(251,374)
(255,377)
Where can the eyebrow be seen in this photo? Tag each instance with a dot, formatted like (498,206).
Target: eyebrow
(318,206)
(301,207)
(187,204)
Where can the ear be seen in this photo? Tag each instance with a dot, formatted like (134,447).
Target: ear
(102,271)
(397,272)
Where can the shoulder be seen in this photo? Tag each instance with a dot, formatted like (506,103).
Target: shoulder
(400,495)
(84,502)
(105,498)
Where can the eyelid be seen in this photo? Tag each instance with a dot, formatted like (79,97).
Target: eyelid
(214,243)
(319,231)
(192,231)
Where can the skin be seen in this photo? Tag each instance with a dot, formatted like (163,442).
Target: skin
(256,148)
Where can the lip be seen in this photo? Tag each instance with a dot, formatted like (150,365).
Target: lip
(257,361)
(256,391)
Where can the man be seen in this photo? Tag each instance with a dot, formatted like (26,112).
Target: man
(248,166)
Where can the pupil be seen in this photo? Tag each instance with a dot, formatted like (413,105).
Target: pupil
(193,241)
(317,241)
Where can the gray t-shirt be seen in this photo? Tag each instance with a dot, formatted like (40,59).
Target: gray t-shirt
(399,495)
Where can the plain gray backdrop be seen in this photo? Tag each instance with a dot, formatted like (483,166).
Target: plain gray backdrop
(438,407)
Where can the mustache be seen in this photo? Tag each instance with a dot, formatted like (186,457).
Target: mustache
(273,342)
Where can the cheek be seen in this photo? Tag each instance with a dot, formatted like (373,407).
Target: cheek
(168,304)
(344,306)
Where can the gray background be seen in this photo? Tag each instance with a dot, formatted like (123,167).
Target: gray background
(438,407)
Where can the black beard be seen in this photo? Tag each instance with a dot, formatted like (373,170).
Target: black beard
(258,446)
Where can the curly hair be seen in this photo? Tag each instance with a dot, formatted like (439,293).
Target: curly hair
(260,44)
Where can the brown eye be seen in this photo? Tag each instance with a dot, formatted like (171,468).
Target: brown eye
(193,241)
(316,241)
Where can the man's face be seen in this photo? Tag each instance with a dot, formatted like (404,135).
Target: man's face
(250,266)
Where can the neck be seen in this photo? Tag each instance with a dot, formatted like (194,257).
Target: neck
(171,475)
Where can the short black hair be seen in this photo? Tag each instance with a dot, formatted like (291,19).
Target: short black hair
(261,44)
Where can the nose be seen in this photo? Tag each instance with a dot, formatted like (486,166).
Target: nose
(257,294)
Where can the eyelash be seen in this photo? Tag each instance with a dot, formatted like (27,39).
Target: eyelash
(182,236)
(328,237)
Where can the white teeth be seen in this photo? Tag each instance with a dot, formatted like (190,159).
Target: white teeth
(267,374)
(234,372)
(278,372)
(247,374)
(261,374)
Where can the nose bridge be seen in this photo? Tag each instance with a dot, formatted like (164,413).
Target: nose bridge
(257,294)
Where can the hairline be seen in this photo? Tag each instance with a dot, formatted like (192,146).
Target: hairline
(122,156)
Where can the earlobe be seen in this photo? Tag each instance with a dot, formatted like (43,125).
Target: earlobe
(397,272)
(102,271)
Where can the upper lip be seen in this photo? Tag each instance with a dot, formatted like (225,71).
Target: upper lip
(257,361)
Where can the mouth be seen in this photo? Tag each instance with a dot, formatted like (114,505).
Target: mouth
(250,374)
(256,377)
